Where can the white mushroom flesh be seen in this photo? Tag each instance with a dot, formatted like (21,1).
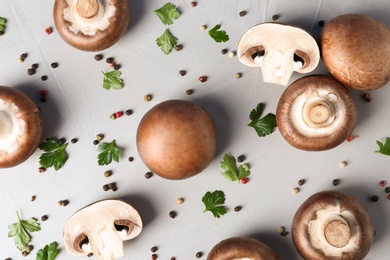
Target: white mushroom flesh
(348,226)
(105,243)
(317,113)
(10,127)
(87,247)
(89,25)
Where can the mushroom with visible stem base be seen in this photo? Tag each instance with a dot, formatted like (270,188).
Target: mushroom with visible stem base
(101,228)
(91,25)
(332,225)
(316,113)
(279,49)
(20,127)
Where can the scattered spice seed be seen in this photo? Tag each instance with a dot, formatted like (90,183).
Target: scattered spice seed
(44,218)
(154,256)
(350,138)
(295,190)
(112,186)
(110,60)
(241,158)
(203,27)
(99,137)
(203,79)
(193,3)
(281,229)
(242,13)
(237,208)
(321,23)
(128,112)
(105,187)
(130,159)
(284,233)
(20,60)
(54,65)
(154,249)
(29,248)
(90,254)
(96,142)
(374,198)
(61,141)
(119,114)
(25,253)
(179,201)
(41,169)
(148,97)
(33,198)
(148,175)
(44,78)
(189,92)
(107,174)
(62,203)
(98,57)
(117,67)
(43,93)
(178,47)
(244,180)
(366,97)
(336,182)
(232,54)
(23,56)
(48,30)
(388,196)
(387,189)
(182,72)
(172,214)
(112,64)
(342,164)
(199,254)
(275,17)
(382,183)
(173,258)
(238,75)
(42,99)
(224,51)
(35,66)
(74,140)
(31,71)
(301,182)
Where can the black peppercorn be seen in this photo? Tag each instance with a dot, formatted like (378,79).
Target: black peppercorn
(182,72)
(172,214)
(199,254)
(242,13)
(128,112)
(387,189)
(130,159)
(110,59)
(284,233)
(23,55)
(98,57)
(42,99)
(105,187)
(321,23)
(237,208)
(241,158)
(117,67)
(148,175)
(35,66)
(193,3)
(374,198)
(301,182)
(54,65)
(74,140)
(189,91)
(61,141)
(154,249)
(275,17)
(31,71)
(178,47)
(44,78)
(336,182)
(95,142)
(224,51)
(44,218)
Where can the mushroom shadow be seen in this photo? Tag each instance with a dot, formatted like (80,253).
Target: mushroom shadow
(143,206)
(137,8)
(218,113)
(375,209)
(51,118)
(279,244)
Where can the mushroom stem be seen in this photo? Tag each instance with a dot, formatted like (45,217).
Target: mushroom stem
(87,8)
(337,233)
(6,125)
(318,113)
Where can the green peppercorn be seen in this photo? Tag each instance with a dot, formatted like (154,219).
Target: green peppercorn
(107,174)
(99,137)
(148,97)
(29,248)
(2,20)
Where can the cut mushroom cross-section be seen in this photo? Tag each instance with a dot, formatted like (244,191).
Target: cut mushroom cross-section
(101,228)
(316,113)
(91,25)
(241,248)
(279,49)
(332,225)
(20,127)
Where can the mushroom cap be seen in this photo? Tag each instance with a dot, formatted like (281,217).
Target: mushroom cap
(23,138)
(176,139)
(282,47)
(241,248)
(316,113)
(332,225)
(356,51)
(97,223)
(116,18)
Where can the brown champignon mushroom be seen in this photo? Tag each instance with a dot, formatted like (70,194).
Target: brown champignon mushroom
(332,225)
(356,51)
(176,139)
(279,49)
(100,228)
(244,248)
(91,25)
(20,127)
(316,113)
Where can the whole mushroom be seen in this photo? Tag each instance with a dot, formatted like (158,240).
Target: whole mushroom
(91,25)
(332,225)
(356,51)
(176,139)
(100,228)
(244,248)
(20,127)
(279,49)
(316,113)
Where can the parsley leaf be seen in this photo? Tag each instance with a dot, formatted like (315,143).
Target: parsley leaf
(20,231)
(167,13)
(218,35)
(166,41)
(384,148)
(55,154)
(112,80)
(265,125)
(107,153)
(214,203)
(231,172)
(49,252)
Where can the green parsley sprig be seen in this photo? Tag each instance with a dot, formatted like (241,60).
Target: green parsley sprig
(54,153)
(112,80)
(265,125)
(214,203)
(384,148)
(49,252)
(107,152)
(166,41)
(231,172)
(167,13)
(20,231)
(218,35)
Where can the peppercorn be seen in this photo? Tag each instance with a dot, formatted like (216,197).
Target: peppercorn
(244,180)
(179,201)
(366,97)
(25,253)
(281,229)
(31,71)
(238,75)
(107,174)
(117,67)
(199,254)
(148,97)
(374,198)
(128,112)
(203,27)
(23,56)
(95,142)
(387,189)
(65,202)
(173,258)
(29,248)
(232,54)
(90,254)
(275,17)
(388,196)
(44,218)
(119,114)
(115,188)
(98,57)
(382,183)
(44,78)
(35,66)
(237,208)
(74,140)
(182,72)
(61,141)
(342,164)
(284,233)
(172,214)
(224,51)
(110,60)
(54,65)
(112,185)
(130,159)
(193,3)
(105,187)
(241,158)
(20,60)
(33,197)
(301,182)
(336,182)
(242,13)
(148,175)
(295,190)
(41,169)
(189,92)
(154,249)
(321,23)
(203,79)
(154,256)
(99,137)
(48,30)
(178,47)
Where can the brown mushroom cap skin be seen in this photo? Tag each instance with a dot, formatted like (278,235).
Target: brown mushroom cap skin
(102,39)
(308,211)
(29,141)
(321,142)
(241,247)
(356,51)
(176,139)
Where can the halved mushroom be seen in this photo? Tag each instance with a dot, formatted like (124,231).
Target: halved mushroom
(91,25)
(243,248)
(356,51)
(316,113)
(176,139)
(100,228)
(332,225)
(20,127)
(279,49)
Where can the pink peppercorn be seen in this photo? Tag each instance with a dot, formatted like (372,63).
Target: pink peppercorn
(44,93)
(119,114)
(383,183)
(244,180)
(48,30)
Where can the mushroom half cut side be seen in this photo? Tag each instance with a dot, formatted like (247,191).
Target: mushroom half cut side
(241,248)
(91,25)
(279,49)
(101,228)
(20,127)
(332,225)
(356,51)
(316,113)
(176,139)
